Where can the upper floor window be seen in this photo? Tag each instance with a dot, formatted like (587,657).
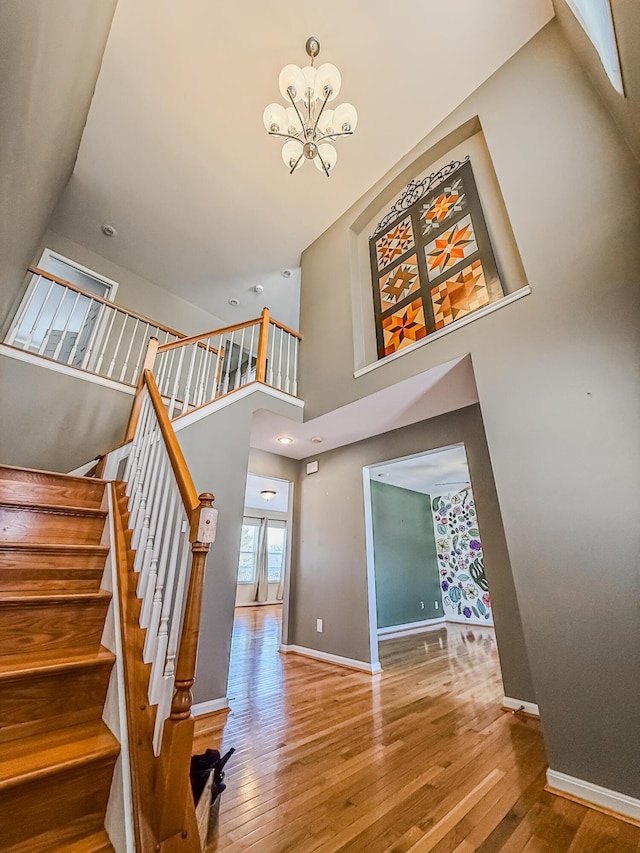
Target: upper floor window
(431,259)
(597,21)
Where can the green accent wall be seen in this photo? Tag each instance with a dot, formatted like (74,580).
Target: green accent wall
(404,549)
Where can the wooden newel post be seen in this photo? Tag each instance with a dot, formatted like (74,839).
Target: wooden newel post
(263,343)
(172,788)
(149,361)
(202,534)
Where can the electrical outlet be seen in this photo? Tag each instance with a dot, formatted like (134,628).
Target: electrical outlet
(437,604)
(422,605)
(319,625)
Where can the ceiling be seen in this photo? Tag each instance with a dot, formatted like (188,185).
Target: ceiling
(433,392)
(174,154)
(256,484)
(439,472)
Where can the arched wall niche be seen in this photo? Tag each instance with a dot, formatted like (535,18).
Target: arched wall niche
(467,141)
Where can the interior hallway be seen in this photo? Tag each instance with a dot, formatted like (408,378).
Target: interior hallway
(419,758)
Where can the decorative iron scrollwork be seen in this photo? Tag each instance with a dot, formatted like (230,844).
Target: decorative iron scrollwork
(414,191)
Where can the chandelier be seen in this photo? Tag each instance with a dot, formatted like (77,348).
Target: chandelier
(307,124)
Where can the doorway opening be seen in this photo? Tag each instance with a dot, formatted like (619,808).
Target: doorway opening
(424,548)
(262,590)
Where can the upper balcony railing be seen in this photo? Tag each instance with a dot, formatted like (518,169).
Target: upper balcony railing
(62,322)
(194,371)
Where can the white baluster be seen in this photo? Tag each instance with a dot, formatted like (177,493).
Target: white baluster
(23,314)
(229,355)
(176,384)
(279,382)
(74,348)
(187,389)
(166,571)
(201,372)
(123,372)
(250,359)
(147,496)
(288,373)
(45,340)
(136,445)
(149,440)
(156,528)
(294,387)
(97,326)
(215,372)
(105,341)
(66,329)
(170,620)
(270,351)
(163,711)
(239,367)
(143,348)
(160,554)
(117,347)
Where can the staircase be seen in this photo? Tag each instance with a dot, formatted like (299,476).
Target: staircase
(56,754)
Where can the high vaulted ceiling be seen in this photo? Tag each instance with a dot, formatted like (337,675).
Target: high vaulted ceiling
(175,156)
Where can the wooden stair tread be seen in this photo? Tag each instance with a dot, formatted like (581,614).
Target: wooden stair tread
(62,597)
(55,549)
(35,757)
(54,509)
(29,474)
(52,661)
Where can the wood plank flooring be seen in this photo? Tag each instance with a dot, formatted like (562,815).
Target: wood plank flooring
(418,759)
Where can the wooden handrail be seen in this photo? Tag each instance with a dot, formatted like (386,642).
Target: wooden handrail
(149,360)
(181,472)
(227,330)
(96,298)
(285,328)
(194,338)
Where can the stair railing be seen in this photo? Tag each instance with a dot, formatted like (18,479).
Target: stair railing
(194,371)
(173,528)
(72,326)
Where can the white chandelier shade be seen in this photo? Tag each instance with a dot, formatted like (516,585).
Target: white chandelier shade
(307,125)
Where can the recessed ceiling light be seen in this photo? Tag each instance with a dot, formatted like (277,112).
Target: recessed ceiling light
(287,273)
(108,230)
(284,439)
(235,302)
(316,439)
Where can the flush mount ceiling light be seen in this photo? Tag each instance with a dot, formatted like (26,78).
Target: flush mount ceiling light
(284,439)
(307,125)
(267,494)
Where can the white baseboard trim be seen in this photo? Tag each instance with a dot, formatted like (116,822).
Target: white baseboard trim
(593,795)
(350,663)
(520,705)
(410,628)
(475,623)
(209,707)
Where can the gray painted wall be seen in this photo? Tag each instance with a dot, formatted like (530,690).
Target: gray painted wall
(558,382)
(625,111)
(406,567)
(329,572)
(56,422)
(50,55)
(217,452)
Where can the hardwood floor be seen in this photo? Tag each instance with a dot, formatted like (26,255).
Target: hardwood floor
(419,758)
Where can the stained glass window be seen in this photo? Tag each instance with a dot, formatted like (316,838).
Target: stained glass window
(431,259)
